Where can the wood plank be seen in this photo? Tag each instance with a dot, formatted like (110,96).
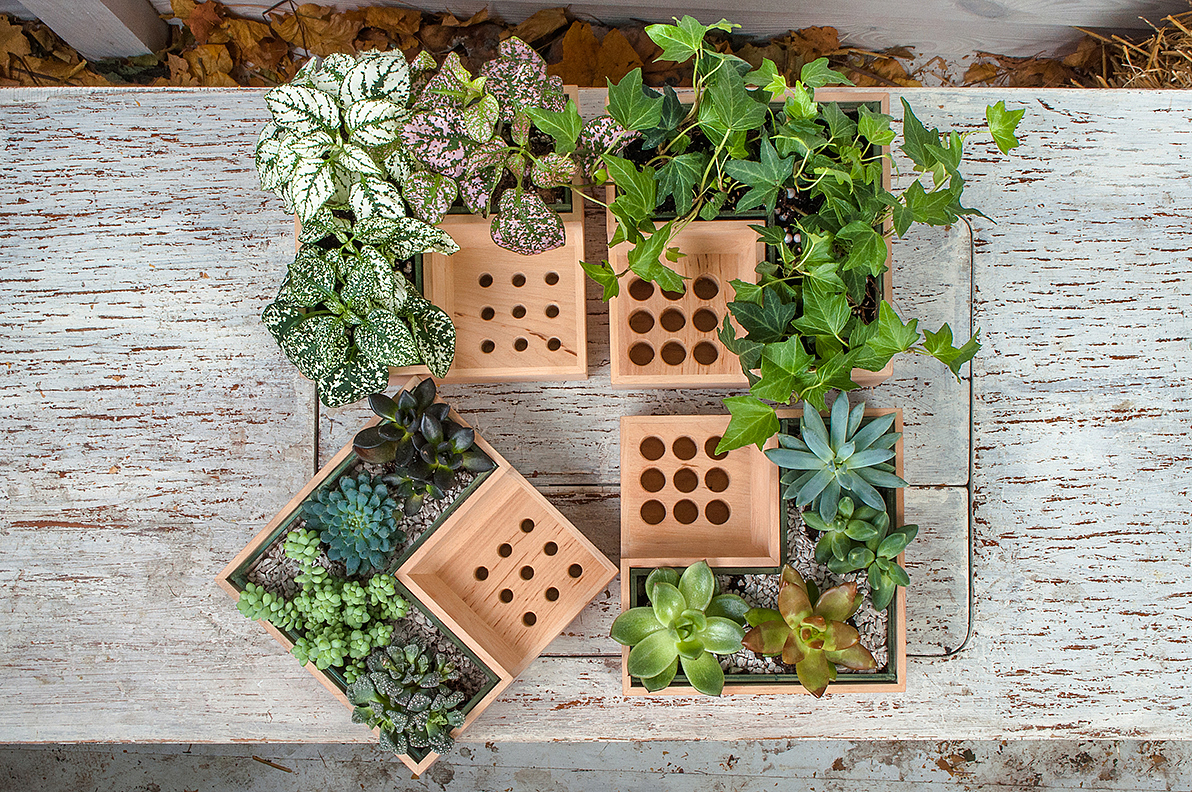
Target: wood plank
(104,28)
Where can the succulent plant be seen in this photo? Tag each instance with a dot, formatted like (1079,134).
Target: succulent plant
(405,695)
(812,638)
(425,446)
(257,603)
(849,460)
(357,521)
(687,624)
(859,538)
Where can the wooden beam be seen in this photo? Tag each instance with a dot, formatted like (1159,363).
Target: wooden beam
(104,28)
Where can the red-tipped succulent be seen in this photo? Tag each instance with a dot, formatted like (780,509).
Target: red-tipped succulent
(812,638)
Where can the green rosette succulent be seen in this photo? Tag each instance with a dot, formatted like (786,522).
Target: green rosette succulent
(859,538)
(849,459)
(404,694)
(357,521)
(812,638)
(688,623)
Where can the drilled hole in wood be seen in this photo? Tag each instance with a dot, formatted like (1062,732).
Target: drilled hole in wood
(716,479)
(705,353)
(653,512)
(554,344)
(575,570)
(527,525)
(686,480)
(550,548)
(672,295)
(505,550)
(481,573)
(527,572)
(684,448)
(672,320)
(710,448)
(686,512)
(641,321)
(717,512)
(641,290)
(552,311)
(486,280)
(487,313)
(653,479)
(519,280)
(551,594)
(652,448)
(704,320)
(705,287)
(518,311)
(551,278)
(506,595)
(487,346)
(641,353)
(673,353)
(521,344)
(529,619)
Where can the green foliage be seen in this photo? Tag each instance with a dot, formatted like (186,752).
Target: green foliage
(424,446)
(812,638)
(688,624)
(850,458)
(357,521)
(405,694)
(859,539)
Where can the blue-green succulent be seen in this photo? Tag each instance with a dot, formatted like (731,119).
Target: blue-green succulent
(357,521)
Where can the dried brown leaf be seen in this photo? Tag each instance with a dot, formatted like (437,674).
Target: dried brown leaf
(394,21)
(255,43)
(206,21)
(371,38)
(52,71)
(540,25)
(616,59)
(12,39)
(980,73)
(1088,55)
(449,20)
(182,8)
(813,42)
(210,64)
(580,53)
(318,29)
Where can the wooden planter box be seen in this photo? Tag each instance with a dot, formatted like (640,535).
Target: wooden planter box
(670,340)
(678,497)
(635,569)
(501,491)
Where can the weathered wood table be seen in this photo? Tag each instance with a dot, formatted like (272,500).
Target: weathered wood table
(152,427)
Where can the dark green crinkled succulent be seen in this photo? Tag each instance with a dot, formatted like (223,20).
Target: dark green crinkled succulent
(357,521)
(404,695)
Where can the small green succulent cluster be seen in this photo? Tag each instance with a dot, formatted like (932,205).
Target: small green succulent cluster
(688,623)
(405,694)
(812,638)
(859,538)
(357,521)
(424,445)
(338,622)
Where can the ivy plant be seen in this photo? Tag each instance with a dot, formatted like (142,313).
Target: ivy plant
(345,312)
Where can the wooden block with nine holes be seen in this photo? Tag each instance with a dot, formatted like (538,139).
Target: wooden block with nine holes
(680,498)
(506,572)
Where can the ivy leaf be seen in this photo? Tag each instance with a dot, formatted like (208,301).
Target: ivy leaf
(678,178)
(842,128)
(635,189)
(834,373)
(731,104)
(782,363)
(644,260)
(1002,123)
(672,113)
(429,195)
(868,248)
(817,74)
(764,178)
(605,275)
(800,105)
(875,127)
(916,138)
(386,339)
(903,217)
(753,421)
(931,208)
(712,205)
(747,292)
(765,323)
(799,137)
(680,41)
(825,312)
(564,126)
(768,78)
(892,335)
(748,352)
(630,106)
(525,224)
(939,345)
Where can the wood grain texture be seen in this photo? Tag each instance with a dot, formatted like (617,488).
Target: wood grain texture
(103,28)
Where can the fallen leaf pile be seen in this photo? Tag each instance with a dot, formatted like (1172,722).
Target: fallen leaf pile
(214,47)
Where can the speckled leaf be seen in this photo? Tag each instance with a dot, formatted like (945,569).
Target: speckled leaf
(312,275)
(552,170)
(398,164)
(281,314)
(310,187)
(415,236)
(380,75)
(484,156)
(423,62)
(517,77)
(330,71)
(434,138)
(434,333)
(373,122)
(391,286)
(374,196)
(354,159)
(376,230)
(316,345)
(322,225)
(477,191)
(309,145)
(430,195)
(386,339)
(526,225)
(600,136)
(266,156)
(479,118)
(356,378)
(302,109)
(448,86)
